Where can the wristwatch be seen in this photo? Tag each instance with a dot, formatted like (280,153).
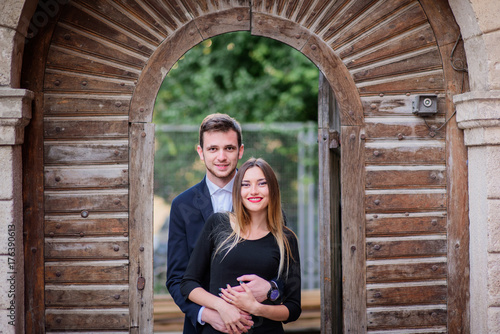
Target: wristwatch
(274,292)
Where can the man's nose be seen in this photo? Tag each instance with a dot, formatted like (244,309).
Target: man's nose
(222,155)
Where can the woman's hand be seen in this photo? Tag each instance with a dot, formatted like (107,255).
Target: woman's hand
(235,320)
(242,300)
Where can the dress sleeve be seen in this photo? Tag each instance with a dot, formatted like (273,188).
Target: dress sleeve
(292,282)
(199,263)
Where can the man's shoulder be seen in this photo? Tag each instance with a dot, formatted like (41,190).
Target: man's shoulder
(188,194)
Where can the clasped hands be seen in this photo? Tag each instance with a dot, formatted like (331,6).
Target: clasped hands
(240,302)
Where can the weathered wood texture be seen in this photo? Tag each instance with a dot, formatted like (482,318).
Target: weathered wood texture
(329,218)
(399,188)
(142,138)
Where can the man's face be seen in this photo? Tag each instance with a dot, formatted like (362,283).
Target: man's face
(220,153)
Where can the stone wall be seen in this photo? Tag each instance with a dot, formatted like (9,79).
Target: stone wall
(15,112)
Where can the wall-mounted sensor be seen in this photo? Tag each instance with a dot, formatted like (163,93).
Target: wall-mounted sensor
(425,105)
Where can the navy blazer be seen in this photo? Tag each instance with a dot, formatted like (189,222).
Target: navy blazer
(188,214)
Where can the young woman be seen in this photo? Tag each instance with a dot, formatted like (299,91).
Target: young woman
(254,239)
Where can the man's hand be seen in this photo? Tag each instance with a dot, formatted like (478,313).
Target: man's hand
(213,318)
(259,286)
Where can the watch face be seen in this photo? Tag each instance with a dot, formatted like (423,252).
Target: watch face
(274,294)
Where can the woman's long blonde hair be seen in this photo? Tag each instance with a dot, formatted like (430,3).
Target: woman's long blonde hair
(240,218)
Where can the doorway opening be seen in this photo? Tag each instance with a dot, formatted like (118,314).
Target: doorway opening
(272,90)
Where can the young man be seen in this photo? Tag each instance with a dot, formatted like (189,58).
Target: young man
(220,148)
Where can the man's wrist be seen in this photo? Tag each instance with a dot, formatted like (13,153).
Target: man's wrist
(200,316)
(273,292)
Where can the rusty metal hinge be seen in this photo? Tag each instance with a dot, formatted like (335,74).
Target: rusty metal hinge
(141,282)
(334,139)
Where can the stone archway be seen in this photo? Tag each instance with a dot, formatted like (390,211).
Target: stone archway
(103,63)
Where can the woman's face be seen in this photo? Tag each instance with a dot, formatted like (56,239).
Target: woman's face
(254,190)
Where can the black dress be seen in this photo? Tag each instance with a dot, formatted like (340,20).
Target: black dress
(259,257)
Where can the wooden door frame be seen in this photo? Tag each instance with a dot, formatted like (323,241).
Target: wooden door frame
(351,117)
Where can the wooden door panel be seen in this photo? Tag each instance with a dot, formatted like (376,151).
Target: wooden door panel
(405,224)
(396,271)
(89,201)
(69,177)
(86,248)
(413,294)
(87,272)
(82,319)
(86,295)
(387,318)
(86,152)
(405,247)
(95,225)
(86,127)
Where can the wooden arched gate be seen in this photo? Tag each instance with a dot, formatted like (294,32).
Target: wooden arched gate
(95,70)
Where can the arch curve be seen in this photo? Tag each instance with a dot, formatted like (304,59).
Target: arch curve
(260,24)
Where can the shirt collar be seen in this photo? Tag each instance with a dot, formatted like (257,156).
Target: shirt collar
(212,187)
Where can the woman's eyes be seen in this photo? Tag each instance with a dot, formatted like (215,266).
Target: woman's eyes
(261,184)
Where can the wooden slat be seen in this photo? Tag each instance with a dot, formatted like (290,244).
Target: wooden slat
(86,248)
(95,224)
(87,272)
(414,39)
(404,129)
(412,201)
(398,105)
(60,57)
(394,271)
(291,34)
(423,82)
(407,295)
(405,224)
(142,138)
(90,201)
(405,247)
(88,127)
(350,11)
(353,230)
(387,19)
(68,81)
(108,176)
(406,152)
(112,20)
(236,19)
(99,46)
(401,178)
(87,319)
(390,318)
(86,295)
(86,152)
(68,104)
(329,218)
(421,60)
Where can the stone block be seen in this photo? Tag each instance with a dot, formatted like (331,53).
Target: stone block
(6,172)
(11,53)
(492,163)
(494,225)
(494,320)
(492,44)
(487,14)
(11,12)
(494,279)
(5,326)
(6,222)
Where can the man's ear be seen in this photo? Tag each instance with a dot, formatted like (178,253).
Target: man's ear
(200,152)
(242,148)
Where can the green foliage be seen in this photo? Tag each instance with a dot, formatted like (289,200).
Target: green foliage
(251,78)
